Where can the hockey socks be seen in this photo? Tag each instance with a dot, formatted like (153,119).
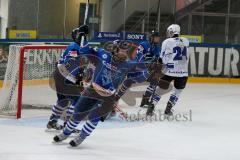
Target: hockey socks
(87,129)
(172,101)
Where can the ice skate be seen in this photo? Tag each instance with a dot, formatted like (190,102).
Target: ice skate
(168,111)
(60,137)
(150,110)
(145,102)
(53,124)
(76,142)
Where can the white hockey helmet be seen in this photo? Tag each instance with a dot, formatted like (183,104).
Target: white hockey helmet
(172,30)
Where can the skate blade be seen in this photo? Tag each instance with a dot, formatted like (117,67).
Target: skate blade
(72,147)
(144,106)
(52,130)
(62,143)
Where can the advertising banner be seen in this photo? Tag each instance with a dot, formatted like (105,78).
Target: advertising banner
(214,61)
(22,34)
(135,36)
(193,38)
(109,36)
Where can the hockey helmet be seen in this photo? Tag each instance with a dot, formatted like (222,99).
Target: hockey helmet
(172,30)
(77,33)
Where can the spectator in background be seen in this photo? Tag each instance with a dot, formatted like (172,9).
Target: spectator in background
(3,56)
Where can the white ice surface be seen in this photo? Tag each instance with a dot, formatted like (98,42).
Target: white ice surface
(41,95)
(213,133)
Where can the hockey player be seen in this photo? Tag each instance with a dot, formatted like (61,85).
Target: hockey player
(98,99)
(147,53)
(174,56)
(68,77)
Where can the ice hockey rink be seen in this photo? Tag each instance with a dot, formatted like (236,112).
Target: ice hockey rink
(212,133)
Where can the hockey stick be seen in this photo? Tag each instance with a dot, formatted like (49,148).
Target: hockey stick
(158,17)
(123,115)
(85,21)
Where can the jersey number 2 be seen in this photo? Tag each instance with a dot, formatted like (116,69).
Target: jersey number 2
(180,52)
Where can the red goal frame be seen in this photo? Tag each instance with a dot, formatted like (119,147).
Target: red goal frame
(21,69)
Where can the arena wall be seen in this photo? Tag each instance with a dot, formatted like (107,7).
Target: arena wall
(209,63)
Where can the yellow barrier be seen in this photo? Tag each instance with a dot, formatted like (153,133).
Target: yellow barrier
(32,82)
(213,80)
(193,38)
(35,82)
(22,34)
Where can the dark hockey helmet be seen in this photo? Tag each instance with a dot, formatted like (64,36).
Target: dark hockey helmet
(154,34)
(77,33)
(155,37)
(124,45)
(114,46)
(121,50)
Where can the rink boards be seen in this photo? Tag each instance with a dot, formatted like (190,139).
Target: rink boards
(190,80)
(208,63)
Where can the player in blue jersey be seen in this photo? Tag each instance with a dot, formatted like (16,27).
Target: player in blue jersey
(151,51)
(68,79)
(98,99)
(147,53)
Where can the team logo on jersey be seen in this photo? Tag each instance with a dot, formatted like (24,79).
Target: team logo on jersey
(140,48)
(104,56)
(109,66)
(73,53)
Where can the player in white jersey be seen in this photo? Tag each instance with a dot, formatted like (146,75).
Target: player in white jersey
(174,56)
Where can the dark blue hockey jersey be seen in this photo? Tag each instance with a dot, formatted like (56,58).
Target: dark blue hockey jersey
(147,51)
(69,63)
(108,73)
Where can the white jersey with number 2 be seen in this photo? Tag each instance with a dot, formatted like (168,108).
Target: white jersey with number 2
(175,56)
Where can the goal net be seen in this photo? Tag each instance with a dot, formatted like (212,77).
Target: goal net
(27,79)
